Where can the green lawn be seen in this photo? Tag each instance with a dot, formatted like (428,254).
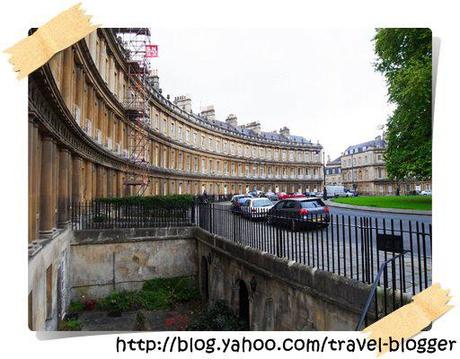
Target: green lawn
(402,202)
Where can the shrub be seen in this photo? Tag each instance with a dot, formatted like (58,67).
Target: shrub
(219,317)
(70,325)
(115,302)
(160,293)
(76,307)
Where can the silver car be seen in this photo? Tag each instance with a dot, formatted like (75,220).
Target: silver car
(256,208)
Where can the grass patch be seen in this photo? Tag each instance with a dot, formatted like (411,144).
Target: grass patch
(161,293)
(70,325)
(422,203)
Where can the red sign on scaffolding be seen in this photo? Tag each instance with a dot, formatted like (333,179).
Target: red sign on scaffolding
(151,51)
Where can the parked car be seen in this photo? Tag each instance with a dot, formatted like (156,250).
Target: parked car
(282,195)
(299,212)
(426,193)
(236,201)
(271,196)
(255,194)
(350,193)
(335,191)
(256,208)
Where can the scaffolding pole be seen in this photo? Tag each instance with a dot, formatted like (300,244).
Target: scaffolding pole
(136,103)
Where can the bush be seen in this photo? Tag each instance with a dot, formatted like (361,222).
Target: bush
(171,201)
(70,325)
(76,307)
(116,302)
(160,293)
(219,317)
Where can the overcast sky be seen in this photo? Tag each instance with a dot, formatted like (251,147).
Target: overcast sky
(319,83)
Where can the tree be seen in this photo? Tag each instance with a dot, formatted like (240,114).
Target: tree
(404,58)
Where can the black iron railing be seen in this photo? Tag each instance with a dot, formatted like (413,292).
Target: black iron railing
(100,214)
(349,246)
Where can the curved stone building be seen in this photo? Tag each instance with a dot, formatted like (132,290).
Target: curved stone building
(80,132)
(85,143)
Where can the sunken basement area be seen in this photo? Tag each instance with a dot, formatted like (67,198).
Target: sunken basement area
(102,274)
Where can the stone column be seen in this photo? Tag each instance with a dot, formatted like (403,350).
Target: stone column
(76,178)
(47,228)
(110,183)
(89,181)
(67,83)
(100,182)
(63,188)
(34,180)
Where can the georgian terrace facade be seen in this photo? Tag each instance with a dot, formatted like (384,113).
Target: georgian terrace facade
(79,133)
(363,168)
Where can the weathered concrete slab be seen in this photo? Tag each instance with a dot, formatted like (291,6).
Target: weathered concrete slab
(107,260)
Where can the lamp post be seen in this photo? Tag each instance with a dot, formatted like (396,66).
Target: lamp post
(324,177)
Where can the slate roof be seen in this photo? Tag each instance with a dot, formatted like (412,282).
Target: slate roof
(337,161)
(274,136)
(361,147)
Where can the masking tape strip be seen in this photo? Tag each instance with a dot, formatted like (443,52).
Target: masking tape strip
(410,319)
(57,34)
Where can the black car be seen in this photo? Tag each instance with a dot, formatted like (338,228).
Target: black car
(299,212)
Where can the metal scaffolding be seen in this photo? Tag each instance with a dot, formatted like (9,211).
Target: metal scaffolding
(135,41)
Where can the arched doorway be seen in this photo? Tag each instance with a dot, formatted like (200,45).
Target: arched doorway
(204,278)
(243,310)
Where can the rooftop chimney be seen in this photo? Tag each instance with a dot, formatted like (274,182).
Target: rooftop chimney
(255,126)
(184,102)
(154,80)
(208,112)
(284,131)
(232,120)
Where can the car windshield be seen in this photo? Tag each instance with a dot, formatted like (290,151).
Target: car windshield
(261,203)
(243,199)
(311,204)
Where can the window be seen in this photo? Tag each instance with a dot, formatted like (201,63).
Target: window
(195,137)
(179,134)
